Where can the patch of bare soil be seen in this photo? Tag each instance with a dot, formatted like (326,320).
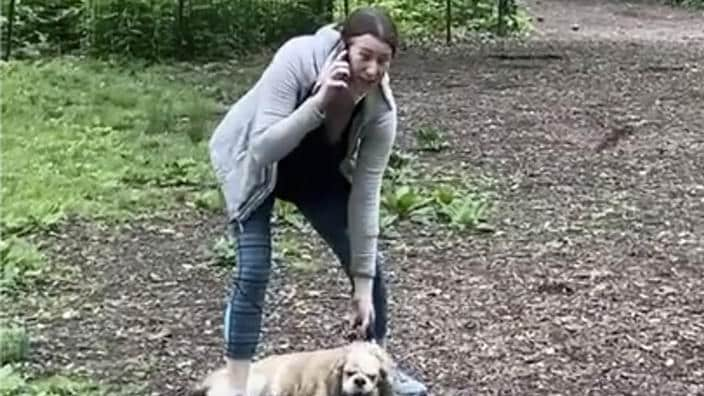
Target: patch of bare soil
(592,284)
(642,20)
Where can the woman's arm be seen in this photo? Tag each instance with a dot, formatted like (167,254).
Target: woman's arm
(278,125)
(363,214)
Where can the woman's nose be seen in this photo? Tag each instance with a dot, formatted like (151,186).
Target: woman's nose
(372,70)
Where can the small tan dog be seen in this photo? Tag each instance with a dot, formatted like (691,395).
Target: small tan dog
(357,369)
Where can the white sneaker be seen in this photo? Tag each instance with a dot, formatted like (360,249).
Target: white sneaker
(405,385)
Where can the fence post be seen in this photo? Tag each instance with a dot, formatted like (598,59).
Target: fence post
(179,29)
(503,11)
(89,21)
(10,21)
(448,21)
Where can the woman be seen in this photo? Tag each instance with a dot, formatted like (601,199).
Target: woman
(316,130)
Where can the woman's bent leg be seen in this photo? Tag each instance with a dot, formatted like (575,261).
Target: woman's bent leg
(243,314)
(327,213)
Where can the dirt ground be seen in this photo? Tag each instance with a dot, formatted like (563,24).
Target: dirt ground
(592,284)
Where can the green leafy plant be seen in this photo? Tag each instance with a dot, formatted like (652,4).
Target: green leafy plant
(405,202)
(289,248)
(431,139)
(14,344)
(400,160)
(21,264)
(224,252)
(14,383)
(210,200)
(464,212)
(400,168)
(158,30)
(50,27)
(696,4)
(444,195)
(287,214)
(460,207)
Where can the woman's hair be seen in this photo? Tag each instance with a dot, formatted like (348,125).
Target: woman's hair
(370,20)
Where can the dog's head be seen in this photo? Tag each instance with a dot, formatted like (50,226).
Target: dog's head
(364,369)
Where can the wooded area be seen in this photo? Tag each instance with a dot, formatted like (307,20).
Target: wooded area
(217,29)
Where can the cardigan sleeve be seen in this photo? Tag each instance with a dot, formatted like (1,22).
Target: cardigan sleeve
(278,125)
(363,209)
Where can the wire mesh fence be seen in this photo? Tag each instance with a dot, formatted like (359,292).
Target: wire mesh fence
(193,29)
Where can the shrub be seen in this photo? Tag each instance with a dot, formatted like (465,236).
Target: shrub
(699,4)
(212,29)
(131,28)
(198,29)
(426,20)
(44,26)
(157,29)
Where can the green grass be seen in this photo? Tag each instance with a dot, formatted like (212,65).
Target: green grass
(14,344)
(21,264)
(87,138)
(100,141)
(15,380)
(15,383)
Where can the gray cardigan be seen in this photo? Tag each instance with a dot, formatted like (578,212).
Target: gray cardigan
(268,121)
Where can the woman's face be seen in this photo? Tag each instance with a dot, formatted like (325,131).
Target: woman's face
(369,59)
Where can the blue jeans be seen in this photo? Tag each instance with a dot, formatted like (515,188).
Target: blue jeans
(327,212)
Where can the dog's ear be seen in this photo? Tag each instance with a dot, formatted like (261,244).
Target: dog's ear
(333,381)
(386,373)
(386,382)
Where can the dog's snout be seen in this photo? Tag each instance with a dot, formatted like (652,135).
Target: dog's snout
(360,381)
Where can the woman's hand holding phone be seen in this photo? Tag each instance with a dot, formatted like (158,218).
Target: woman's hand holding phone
(334,79)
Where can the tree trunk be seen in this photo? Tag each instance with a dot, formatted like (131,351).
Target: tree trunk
(10,22)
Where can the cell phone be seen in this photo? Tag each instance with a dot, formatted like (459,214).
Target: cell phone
(347,59)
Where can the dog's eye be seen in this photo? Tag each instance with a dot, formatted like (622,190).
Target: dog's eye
(372,377)
(349,373)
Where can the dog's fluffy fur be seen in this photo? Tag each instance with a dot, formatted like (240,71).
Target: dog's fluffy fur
(357,369)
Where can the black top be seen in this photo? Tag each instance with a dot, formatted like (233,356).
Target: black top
(313,165)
